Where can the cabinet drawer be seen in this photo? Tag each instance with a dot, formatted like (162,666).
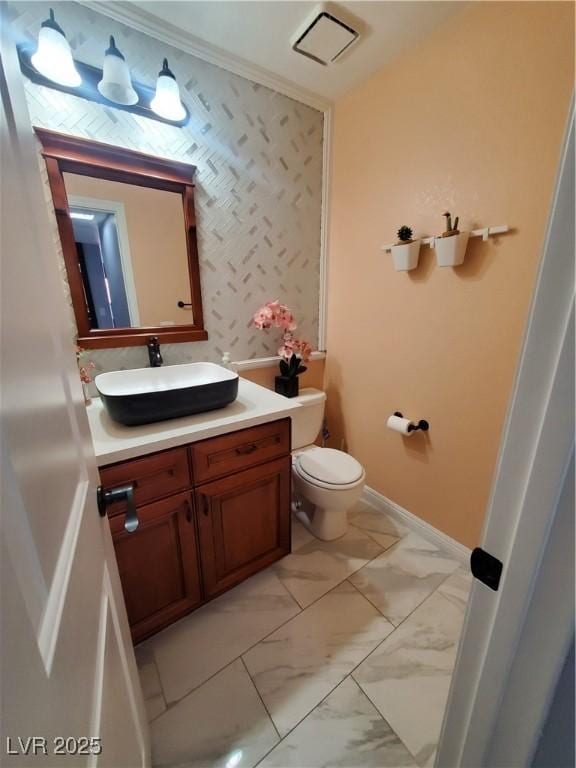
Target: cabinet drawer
(219,456)
(153,477)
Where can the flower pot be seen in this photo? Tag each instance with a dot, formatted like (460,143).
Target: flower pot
(450,251)
(287,386)
(406,256)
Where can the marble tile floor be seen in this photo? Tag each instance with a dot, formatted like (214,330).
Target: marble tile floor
(341,654)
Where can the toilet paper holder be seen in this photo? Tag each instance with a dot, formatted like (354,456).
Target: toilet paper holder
(422,424)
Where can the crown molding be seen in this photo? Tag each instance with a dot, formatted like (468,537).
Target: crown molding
(134,17)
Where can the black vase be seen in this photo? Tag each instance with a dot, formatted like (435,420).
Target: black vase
(286,385)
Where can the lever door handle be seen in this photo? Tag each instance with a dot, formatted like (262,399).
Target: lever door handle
(121,493)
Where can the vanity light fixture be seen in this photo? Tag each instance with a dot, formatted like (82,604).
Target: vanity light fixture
(166,102)
(81,216)
(53,57)
(116,85)
(50,64)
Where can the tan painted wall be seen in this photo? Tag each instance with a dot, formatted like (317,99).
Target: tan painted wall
(470,121)
(155,223)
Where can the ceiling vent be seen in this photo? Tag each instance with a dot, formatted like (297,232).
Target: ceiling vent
(324,37)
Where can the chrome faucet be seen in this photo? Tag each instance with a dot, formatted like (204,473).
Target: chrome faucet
(154,353)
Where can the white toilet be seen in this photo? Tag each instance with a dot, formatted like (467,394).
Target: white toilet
(327,483)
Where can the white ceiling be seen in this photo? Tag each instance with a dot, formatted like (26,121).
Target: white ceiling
(259,34)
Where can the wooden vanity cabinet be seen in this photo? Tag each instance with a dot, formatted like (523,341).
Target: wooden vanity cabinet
(158,564)
(210,514)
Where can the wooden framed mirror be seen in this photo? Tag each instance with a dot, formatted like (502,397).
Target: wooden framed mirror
(128,231)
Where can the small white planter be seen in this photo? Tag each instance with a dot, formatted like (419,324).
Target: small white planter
(406,256)
(450,251)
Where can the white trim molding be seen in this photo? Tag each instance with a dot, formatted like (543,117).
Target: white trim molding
(59,590)
(267,362)
(324,228)
(380,502)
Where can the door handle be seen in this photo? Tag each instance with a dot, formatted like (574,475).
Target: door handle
(121,493)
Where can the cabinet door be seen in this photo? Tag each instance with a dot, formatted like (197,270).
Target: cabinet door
(244,523)
(158,564)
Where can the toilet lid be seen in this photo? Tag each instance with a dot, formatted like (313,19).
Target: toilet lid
(330,466)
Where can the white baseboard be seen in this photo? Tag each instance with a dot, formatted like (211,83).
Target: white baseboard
(427,531)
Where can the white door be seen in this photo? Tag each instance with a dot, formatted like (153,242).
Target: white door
(69,676)
(516,639)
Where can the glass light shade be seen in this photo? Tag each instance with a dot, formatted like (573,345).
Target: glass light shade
(166,102)
(53,57)
(116,84)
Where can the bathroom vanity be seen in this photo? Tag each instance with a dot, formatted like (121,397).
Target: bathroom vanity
(196,503)
(212,497)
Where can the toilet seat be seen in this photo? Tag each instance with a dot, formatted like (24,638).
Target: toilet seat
(329,468)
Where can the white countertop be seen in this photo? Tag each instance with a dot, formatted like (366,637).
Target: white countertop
(115,442)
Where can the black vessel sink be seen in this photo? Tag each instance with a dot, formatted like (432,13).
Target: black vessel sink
(146,395)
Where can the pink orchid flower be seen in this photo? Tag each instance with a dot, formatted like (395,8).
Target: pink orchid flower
(293,346)
(274,314)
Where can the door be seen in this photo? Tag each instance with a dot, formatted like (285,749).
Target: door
(70,691)
(516,639)
(244,523)
(158,564)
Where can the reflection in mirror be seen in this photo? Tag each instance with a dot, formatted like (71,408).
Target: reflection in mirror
(131,250)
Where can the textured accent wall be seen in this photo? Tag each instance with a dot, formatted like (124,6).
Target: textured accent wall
(259,180)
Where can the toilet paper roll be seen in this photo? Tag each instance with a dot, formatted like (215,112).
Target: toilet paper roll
(398,424)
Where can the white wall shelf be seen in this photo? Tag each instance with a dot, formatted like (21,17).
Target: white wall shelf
(484,233)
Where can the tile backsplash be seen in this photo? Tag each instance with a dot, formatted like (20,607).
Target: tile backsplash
(259,180)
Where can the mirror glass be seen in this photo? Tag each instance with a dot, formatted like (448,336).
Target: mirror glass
(132,255)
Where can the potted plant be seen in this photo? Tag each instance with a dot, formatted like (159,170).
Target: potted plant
(451,245)
(406,250)
(293,351)
(287,383)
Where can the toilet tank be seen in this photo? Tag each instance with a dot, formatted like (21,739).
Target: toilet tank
(307,420)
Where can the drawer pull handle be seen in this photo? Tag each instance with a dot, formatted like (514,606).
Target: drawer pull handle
(188,512)
(123,492)
(204,504)
(244,450)
(153,477)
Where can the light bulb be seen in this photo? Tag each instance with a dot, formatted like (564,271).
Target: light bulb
(116,84)
(53,57)
(166,102)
